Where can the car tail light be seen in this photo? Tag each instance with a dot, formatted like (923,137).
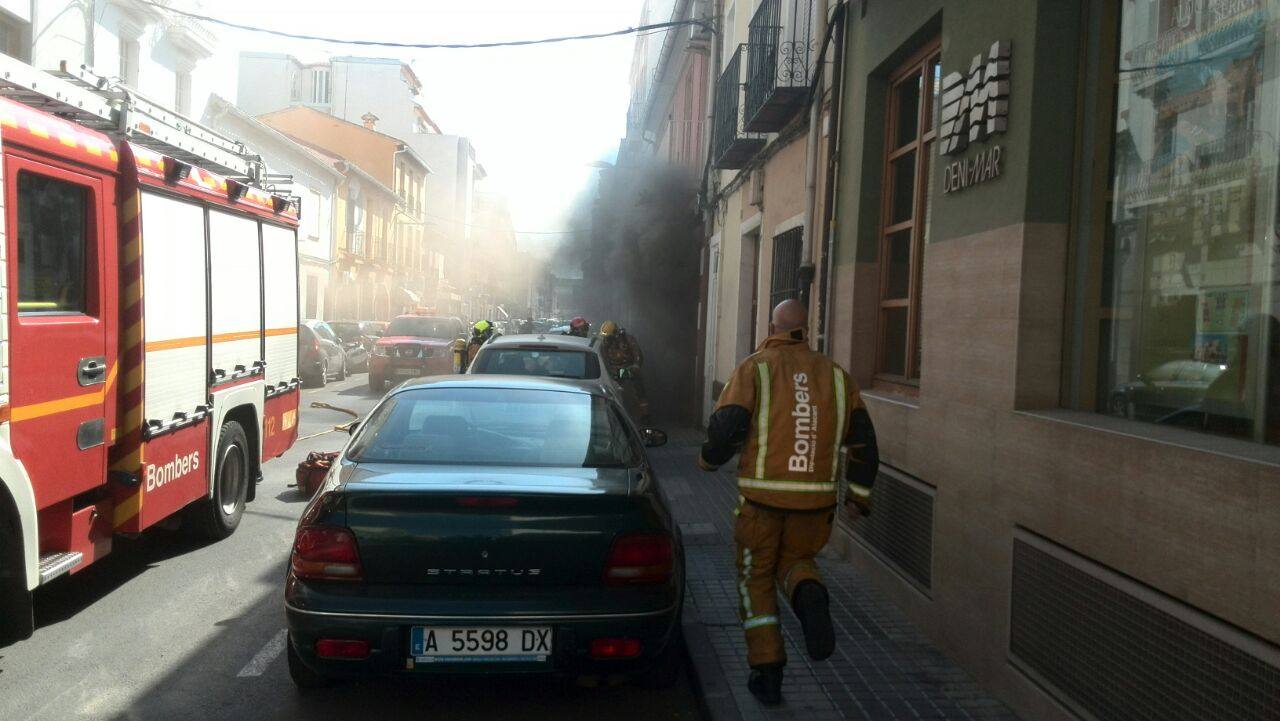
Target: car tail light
(326,553)
(615,647)
(342,648)
(639,558)
(487,501)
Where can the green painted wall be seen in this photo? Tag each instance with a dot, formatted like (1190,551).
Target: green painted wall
(1037,148)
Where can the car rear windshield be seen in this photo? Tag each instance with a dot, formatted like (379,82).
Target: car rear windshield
(538,362)
(346,331)
(423,327)
(496,427)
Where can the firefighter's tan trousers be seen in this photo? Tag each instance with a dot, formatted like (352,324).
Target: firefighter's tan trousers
(776,549)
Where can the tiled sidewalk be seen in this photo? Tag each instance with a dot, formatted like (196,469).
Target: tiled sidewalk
(883,667)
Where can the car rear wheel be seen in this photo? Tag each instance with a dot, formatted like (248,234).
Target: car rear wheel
(303,677)
(217,517)
(342,371)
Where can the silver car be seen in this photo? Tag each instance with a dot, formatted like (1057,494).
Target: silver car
(550,356)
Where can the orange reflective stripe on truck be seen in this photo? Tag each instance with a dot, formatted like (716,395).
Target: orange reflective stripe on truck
(173,343)
(62,405)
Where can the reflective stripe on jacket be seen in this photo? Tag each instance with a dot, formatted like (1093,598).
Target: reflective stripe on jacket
(797,408)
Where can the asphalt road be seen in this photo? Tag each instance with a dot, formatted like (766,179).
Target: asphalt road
(165,628)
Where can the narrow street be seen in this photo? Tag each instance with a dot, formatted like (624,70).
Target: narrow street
(164,629)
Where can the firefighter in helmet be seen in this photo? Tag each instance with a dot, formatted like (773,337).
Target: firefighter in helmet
(793,415)
(481,332)
(579,327)
(622,355)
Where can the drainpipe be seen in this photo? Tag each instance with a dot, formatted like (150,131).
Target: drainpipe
(826,283)
(811,160)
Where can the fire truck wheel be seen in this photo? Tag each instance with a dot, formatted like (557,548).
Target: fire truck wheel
(375,383)
(17,621)
(217,517)
(304,678)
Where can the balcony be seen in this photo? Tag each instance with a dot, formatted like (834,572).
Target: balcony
(732,146)
(782,58)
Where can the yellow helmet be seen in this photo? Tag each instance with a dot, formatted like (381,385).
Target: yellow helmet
(608,328)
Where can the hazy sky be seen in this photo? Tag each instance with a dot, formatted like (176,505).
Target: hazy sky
(538,115)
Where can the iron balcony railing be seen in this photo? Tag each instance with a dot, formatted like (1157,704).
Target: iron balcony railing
(781,54)
(732,146)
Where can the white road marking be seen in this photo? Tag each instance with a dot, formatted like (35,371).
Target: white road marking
(269,653)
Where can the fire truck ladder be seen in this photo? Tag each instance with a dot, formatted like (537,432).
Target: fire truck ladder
(115,109)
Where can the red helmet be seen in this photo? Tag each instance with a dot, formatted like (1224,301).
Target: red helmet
(579,326)
(578,322)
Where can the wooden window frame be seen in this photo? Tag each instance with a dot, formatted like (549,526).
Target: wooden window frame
(923,144)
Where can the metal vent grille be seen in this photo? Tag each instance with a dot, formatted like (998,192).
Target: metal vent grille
(1120,651)
(901,528)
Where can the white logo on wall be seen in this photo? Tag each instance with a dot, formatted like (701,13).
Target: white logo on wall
(975,107)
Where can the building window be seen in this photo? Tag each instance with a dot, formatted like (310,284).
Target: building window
(909,147)
(13,39)
(130,51)
(320,86)
(1177,312)
(785,281)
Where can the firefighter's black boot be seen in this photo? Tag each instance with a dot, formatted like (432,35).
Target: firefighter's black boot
(765,683)
(811,605)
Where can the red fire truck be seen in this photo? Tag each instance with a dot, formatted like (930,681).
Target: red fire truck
(148,320)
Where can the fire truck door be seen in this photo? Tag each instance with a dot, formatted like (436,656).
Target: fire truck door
(60,374)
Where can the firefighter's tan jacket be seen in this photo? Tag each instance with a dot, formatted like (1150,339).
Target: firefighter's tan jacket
(801,408)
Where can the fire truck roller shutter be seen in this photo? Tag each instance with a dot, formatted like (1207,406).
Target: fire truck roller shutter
(280,267)
(236,290)
(174,298)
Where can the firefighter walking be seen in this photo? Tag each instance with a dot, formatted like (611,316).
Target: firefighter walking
(792,414)
(622,354)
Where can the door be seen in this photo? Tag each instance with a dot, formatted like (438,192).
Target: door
(713,324)
(60,372)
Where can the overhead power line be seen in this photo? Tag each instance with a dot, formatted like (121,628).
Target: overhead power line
(435,46)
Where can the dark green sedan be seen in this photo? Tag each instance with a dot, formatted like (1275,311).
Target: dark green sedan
(490,524)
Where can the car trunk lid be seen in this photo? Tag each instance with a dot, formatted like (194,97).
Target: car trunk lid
(490,527)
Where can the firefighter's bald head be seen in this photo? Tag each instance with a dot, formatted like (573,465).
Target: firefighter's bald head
(788,315)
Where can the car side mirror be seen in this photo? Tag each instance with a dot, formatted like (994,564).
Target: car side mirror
(352,426)
(653,438)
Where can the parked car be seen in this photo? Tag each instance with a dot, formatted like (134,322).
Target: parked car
(552,356)
(488,524)
(373,330)
(1171,389)
(414,346)
(354,342)
(320,354)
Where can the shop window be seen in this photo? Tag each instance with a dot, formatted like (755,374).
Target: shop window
(909,145)
(1178,311)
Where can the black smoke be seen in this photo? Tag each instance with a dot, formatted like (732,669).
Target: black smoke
(639,264)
